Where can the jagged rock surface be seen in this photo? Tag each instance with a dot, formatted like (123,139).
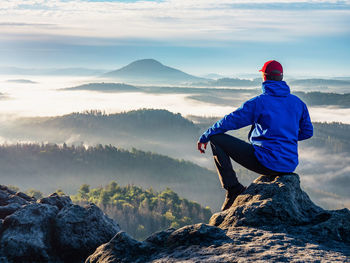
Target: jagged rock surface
(27,233)
(279,203)
(271,201)
(272,221)
(51,229)
(80,230)
(123,248)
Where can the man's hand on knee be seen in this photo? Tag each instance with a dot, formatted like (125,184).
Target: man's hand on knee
(202,146)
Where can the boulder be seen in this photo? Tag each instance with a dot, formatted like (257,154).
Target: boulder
(121,248)
(26,234)
(6,189)
(25,197)
(3,197)
(8,209)
(80,230)
(56,200)
(279,203)
(271,201)
(11,201)
(51,229)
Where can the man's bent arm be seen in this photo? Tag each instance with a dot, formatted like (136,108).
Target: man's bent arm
(241,117)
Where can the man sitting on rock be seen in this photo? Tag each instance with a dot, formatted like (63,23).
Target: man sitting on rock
(279,120)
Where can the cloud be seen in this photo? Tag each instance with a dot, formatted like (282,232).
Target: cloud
(322,169)
(330,114)
(177,20)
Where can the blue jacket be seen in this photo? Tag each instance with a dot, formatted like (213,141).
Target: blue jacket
(279,120)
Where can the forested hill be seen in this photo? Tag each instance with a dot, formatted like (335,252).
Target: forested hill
(153,130)
(324,98)
(333,136)
(142,212)
(48,167)
(145,122)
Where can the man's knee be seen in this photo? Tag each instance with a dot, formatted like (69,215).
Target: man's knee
(222,139)
(214,139)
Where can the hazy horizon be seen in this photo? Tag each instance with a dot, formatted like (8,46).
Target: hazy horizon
(200,37)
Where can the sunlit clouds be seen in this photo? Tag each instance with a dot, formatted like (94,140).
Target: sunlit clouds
(198,36)
(175,20)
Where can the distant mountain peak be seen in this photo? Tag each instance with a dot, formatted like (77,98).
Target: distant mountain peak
(151,71)
(146,61)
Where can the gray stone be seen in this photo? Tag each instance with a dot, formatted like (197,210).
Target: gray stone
(337,227)
(198,234)
(10,202)
(56,200)
(271,202)
(8,209)
(18,200)
(25,197)
(121,248)
(26,234)
(6,189)
(51,229)
(80,230)
(3,197)
(8,196)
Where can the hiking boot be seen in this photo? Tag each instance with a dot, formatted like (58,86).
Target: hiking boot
(231,196)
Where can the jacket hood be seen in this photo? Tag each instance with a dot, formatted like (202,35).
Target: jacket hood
(275,88)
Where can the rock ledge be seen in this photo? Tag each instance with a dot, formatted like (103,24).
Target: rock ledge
(273,220)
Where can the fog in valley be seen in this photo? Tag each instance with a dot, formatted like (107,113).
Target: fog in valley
(40,111)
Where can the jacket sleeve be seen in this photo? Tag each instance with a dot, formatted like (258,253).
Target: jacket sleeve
(241,117)
(305,126)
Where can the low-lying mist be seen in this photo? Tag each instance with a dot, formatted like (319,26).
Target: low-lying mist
(39,110)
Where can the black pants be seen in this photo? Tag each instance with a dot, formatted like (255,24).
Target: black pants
(225,146)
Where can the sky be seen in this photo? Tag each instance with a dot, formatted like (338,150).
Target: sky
(309,38)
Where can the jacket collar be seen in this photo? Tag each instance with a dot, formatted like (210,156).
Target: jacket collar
(275,88)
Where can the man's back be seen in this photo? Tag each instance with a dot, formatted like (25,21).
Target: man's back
(280,120)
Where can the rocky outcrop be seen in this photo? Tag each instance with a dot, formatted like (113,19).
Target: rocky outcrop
(280,204)
(51,229)
(27,233)
(272,202)
(272,221)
